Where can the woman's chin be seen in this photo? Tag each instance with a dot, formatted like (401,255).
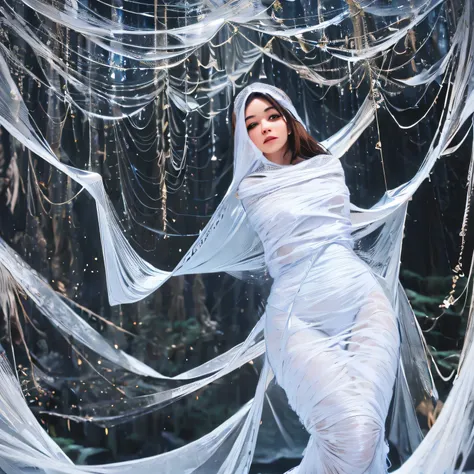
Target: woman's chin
(271,148)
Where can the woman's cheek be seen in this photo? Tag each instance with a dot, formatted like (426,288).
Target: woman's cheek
(254,140)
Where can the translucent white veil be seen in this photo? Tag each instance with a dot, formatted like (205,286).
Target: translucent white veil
(228,244)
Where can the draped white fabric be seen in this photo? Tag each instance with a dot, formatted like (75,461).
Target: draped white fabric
(331,334)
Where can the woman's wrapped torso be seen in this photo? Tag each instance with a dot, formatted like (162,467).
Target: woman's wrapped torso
(302,216)
(297,209)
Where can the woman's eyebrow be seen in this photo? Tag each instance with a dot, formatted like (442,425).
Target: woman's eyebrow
(266,110)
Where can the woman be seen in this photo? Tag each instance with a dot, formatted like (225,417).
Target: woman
(331,334)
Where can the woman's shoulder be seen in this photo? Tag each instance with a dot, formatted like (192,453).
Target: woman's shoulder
(320,159)
(299,159)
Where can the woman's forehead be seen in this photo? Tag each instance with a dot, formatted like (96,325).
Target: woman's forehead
(258,105)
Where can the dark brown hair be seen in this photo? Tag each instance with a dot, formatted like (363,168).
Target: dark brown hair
(300,142)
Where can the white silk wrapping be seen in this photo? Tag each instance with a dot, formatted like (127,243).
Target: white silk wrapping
(325,362)
(331,334)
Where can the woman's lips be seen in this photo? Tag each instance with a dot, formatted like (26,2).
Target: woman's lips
(270,139)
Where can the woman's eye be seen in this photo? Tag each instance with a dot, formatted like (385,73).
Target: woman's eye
(271,117)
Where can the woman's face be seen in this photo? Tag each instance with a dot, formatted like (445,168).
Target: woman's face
(267,129)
